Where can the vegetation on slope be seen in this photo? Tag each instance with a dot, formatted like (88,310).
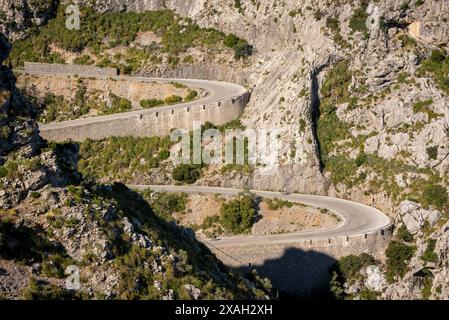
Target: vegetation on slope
(334,91)
(100,32)
(437,65)
(120,157)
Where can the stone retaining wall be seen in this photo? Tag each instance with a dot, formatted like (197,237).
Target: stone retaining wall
(152,122)
(302,267)
(69,69)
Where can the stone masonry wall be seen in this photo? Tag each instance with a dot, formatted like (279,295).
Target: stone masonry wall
(151,122)
(302,267)
(46,68)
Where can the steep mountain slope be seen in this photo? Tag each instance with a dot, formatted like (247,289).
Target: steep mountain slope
(51,219)
(298,41)
(359,91)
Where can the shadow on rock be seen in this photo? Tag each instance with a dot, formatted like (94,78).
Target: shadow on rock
(298,274)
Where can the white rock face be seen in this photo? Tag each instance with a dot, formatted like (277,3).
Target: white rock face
(193,291)
(414,217)
(375,280)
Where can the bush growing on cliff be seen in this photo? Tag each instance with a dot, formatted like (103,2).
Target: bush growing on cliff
(40,290)
(349,267)
(121,157)
(437,65)
(432,152)
(101,31)
(118,104)
(358,20)
(165,204)
(429,254)
(403,234)
(334,91)
(241,47)
(435,195)
(398,256)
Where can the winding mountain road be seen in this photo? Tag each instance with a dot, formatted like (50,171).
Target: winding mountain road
(356,218)
(218,91)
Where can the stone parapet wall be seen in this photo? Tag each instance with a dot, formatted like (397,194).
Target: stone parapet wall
(155,122)
(68,69)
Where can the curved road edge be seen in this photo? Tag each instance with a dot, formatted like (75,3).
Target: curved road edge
(218,91)
(358,219)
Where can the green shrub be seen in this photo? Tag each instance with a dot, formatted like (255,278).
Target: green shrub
(358,20)
(35,195)
(165,204)
(187,173)
(151,103)
(432,152)
(241,47)
(350,266)
(9,170)
(333,25)
(118,104)
(403,234)
(122,157)
(238,5)
(210,221)
(424,106)
(276,204)
(178,85)
(54,266)
(38,290)
(3,172)
(173,99)
(429,254)
(100,31)
(437,65)
(237,216)
(361,159)
(398,256)
(84,60)
(334,91)
(191,95)
(435,195)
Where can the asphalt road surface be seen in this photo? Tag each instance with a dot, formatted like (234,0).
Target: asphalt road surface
(218,91)
(355,218)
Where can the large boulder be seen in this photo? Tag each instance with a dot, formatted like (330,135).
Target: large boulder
(375,279)
(413,216)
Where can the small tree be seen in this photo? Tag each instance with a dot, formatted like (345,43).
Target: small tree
(398,255)
(187,173)
(237,216)
(403,234)
(430,255)
(350,266)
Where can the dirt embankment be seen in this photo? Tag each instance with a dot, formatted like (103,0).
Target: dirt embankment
(296,218)
(134,91)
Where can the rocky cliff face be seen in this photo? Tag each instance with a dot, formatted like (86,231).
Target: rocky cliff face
(297,43)
(363,114)
(17,16)
(359,91)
